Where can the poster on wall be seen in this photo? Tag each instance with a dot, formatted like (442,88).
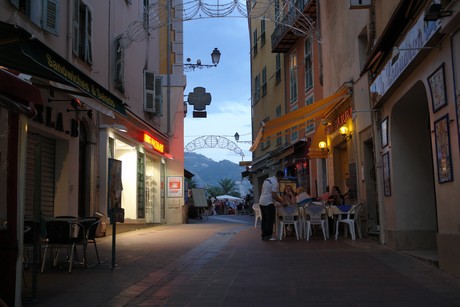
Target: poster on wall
(175,186)
(437,84)
(443,156)
(386,174)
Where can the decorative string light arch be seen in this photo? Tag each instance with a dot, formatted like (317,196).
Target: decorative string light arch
(157,16)
(213,141)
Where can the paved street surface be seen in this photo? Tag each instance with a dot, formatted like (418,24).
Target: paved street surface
(223,262)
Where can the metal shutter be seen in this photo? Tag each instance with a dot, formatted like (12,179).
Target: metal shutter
(47,174)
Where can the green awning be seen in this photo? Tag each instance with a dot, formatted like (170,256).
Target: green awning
(20,51)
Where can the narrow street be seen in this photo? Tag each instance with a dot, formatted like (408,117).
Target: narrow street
(222,262)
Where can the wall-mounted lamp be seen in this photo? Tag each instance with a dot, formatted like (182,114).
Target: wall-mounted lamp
(76,104)
(434,12)
(117,127)
(323,146)
(215,57)
(345,133)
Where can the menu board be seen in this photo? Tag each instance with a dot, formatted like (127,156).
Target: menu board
(199,198)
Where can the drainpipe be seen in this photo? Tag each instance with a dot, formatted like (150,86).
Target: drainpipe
(379,173)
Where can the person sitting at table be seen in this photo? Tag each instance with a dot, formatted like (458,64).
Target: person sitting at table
(335,198)
(302,196)
(289,195)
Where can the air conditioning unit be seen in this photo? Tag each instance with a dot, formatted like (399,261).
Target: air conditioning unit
(360,4)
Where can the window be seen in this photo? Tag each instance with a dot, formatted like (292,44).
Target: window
(44,14)
(119,65)
(279,137)
(266,144)
(310,126)
(264,81)
(278,68)
(82,19)
(308,64)
(293,76)
(254,46)
(277,10)
(153,94)
(257,88)
(295,133)
(309,100)
(262,32)
(146,14)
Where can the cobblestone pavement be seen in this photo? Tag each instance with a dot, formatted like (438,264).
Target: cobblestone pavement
(222,262)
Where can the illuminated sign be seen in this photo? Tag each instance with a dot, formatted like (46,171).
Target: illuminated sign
(160,147)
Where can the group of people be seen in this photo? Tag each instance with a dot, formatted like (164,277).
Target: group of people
(270,195)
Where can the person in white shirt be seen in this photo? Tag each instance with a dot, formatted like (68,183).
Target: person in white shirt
(268,196)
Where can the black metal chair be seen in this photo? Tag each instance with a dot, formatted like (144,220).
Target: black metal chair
(61,233)
(91,224)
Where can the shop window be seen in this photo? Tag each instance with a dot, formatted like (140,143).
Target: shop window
(44,14)
(82,20)
(140,185)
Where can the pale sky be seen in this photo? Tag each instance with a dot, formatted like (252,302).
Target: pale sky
(229,83)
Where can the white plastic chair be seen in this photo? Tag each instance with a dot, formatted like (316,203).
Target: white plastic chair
(257,214)
(288,216)
(314,215)
(350,218)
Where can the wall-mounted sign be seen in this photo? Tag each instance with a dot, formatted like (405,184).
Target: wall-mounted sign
(157,145)
(175,186)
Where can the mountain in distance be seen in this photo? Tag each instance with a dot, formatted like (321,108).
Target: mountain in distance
(210,172)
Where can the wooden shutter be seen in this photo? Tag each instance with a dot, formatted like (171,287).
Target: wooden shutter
(88,46)
(51,16)
(158,96)
(76,27)
(149,92)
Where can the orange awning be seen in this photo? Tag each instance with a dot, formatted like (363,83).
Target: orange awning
(299,117)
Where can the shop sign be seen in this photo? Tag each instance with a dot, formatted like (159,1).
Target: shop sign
(157,145)
(47,117)
(415,40)
(340,120)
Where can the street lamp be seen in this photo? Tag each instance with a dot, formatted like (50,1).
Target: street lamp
(215,57)
(237,139)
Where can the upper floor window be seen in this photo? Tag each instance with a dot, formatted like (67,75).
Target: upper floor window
(257,88)
(264,81)
(262,32)
(119,65)
(308,64)
(254,44)
(293,76)
(278,68)
(44,14)
(82,19)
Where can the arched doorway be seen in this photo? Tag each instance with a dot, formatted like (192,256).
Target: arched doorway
(413,201)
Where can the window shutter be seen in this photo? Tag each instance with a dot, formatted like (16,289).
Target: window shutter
(51,16)
(76,27)
(119,65)
(149,92)
(15,3)
(158,96)
(88,47)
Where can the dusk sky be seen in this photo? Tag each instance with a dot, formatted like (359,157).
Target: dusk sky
(229,83)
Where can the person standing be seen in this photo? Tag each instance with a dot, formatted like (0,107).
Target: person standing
(268,196)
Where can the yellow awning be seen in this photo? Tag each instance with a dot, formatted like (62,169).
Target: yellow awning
(298,117)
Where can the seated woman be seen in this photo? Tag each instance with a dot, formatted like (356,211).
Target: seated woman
(289,196)
(336,198)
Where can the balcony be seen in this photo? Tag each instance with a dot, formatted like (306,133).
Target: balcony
(284,37)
